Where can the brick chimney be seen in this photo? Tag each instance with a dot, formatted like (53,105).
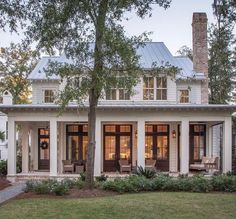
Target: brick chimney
(200,51)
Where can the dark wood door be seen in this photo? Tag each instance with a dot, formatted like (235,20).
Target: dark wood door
(157,145)
(197,142)
(117,145)
(43,149)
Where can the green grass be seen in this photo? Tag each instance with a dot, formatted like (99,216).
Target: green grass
(144,205)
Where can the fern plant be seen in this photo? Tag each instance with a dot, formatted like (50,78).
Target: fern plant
(149,174)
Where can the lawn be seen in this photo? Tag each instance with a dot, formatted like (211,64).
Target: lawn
(143,205)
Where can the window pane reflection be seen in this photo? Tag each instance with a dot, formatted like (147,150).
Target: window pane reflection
(109,147)
(125,147)
(162,147)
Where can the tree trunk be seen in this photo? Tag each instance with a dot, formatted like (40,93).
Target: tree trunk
(95,91)
(92,141)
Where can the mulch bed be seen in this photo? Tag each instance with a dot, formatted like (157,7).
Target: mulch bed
(73,193)
(4,183)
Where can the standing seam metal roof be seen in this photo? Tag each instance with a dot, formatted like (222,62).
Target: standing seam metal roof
(151,52)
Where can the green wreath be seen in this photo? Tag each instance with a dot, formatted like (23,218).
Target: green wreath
(44,145)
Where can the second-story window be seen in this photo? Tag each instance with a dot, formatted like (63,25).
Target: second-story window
(123,94)
(148,88)
(49,96)
(117,94)
(161,91)
(184,96)
(111,94)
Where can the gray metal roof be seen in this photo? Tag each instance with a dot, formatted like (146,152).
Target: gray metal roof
(151,52)
(121,105)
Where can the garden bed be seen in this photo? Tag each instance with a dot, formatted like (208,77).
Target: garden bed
(73,193)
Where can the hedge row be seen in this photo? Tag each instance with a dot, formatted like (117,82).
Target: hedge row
(197,183)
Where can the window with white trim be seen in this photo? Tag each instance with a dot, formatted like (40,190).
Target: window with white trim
(161,91)
(155,88)
(49,96)
(184,96)
(148,88)
(117,94)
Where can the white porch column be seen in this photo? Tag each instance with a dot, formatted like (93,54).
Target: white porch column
(227,145)
(98,149)
(53,147)
(184,146)
(11,147)
(25,148)
(141,143)
(210,142)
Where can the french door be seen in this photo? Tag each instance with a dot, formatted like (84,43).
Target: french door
(157,145)
(197,143)
(77,140)
(43,149)
(117,145)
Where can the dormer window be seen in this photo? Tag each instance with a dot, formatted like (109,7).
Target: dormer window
(184,96)
(49,96)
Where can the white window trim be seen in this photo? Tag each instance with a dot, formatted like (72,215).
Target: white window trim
(117,95)
(189,95)
(155,89)
(43,94)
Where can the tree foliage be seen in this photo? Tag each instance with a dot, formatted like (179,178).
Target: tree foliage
(109,62)
(186,51)
(16,62)
(221,59)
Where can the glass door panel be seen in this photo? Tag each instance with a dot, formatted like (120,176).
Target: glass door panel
(125,147)
(110,148)
(44,148)
(148,147)
(198,147)
(73,148)
(162,147)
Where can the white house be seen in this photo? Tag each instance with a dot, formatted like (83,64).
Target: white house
(168,120)
(6,99)
(3,144)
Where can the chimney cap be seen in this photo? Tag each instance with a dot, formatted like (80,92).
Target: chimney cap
(199,17)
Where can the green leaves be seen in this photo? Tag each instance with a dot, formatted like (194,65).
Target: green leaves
(16,62)
(221,55)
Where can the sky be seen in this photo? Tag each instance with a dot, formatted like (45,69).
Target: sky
(171,26)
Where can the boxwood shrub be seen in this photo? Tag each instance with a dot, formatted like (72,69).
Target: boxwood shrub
(197,183)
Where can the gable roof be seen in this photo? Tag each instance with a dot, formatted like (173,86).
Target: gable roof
(151,52)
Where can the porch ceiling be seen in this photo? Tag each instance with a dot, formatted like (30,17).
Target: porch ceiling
(121,105)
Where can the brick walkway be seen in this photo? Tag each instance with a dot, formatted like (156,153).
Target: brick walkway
(11,192)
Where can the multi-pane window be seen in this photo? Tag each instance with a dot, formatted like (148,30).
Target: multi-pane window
(155,88)
(111,94)
(117,94)
(123,94)
(148,88)
(198,142)
(184,96)
(161,88)
(49,96)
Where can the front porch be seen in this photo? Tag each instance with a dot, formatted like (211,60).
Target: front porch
(45,144)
